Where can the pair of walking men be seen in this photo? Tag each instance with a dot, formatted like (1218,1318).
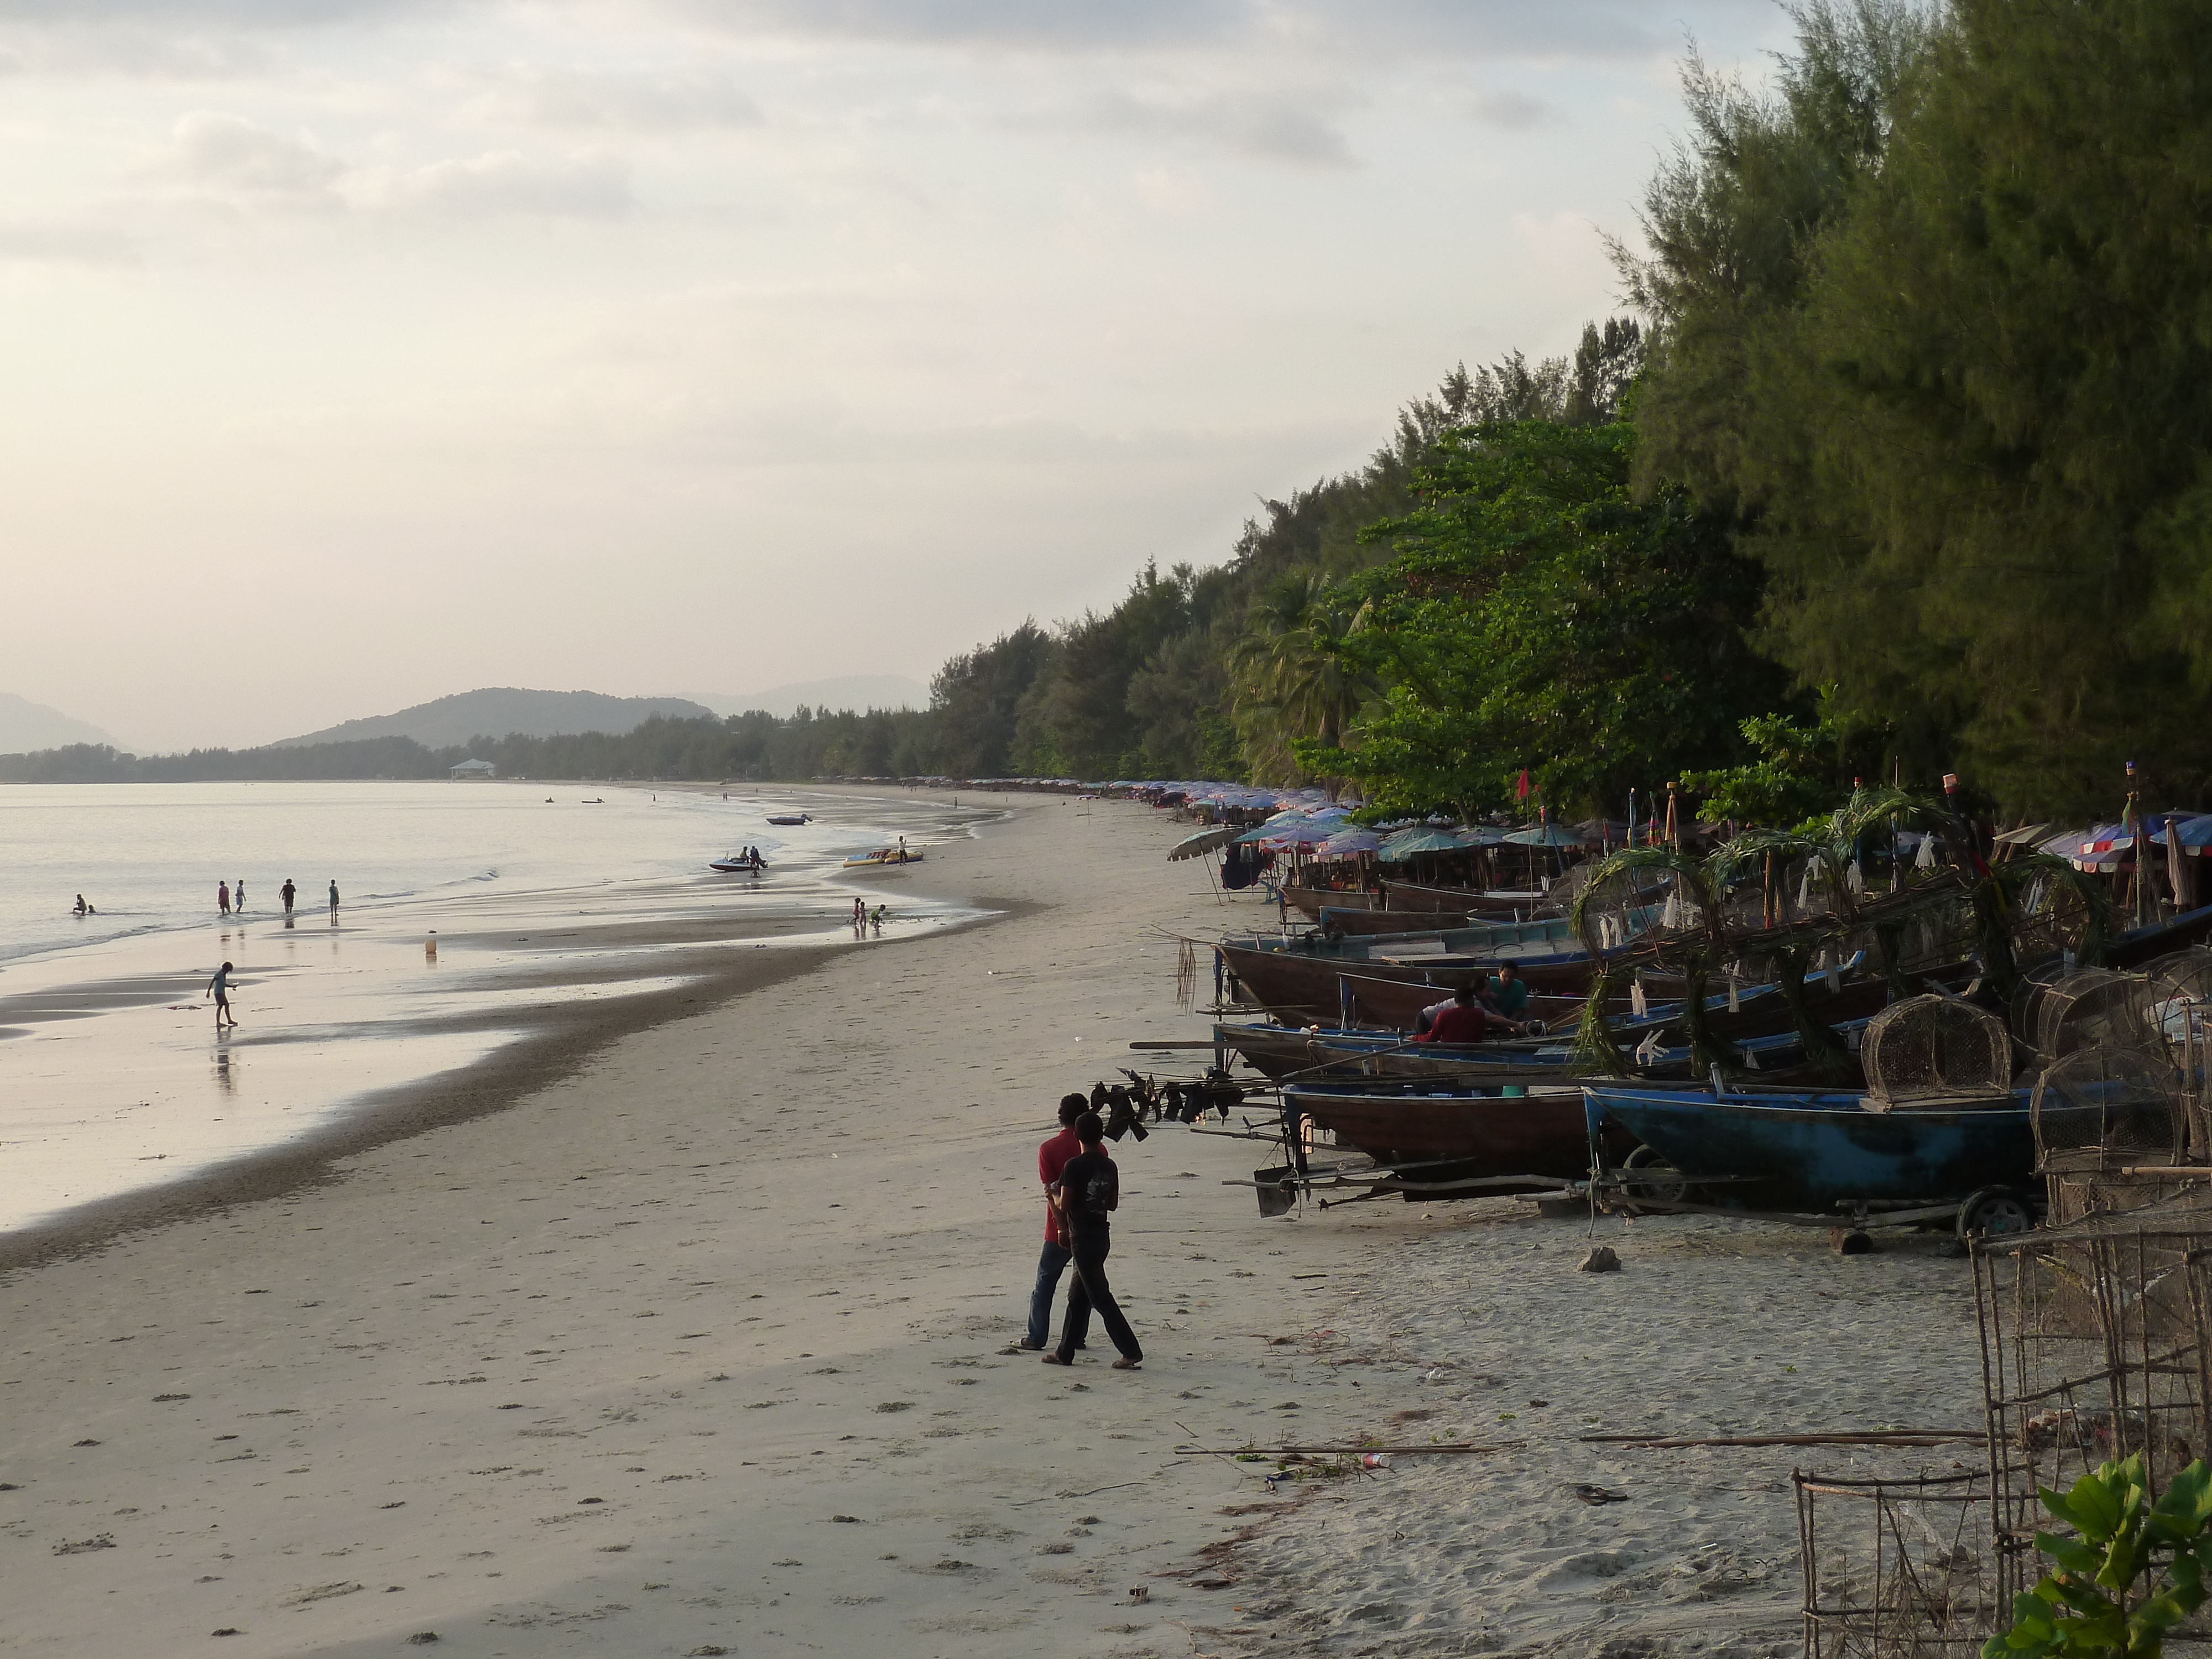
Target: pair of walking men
(1082,1189)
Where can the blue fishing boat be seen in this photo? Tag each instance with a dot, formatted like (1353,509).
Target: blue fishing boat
(1787,1152)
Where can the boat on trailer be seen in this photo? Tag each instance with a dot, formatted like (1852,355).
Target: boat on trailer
(1789,1153)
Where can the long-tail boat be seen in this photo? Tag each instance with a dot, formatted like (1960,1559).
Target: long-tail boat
(1439,1135)
(1404,900)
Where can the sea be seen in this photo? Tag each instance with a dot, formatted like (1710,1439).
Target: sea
(472,914)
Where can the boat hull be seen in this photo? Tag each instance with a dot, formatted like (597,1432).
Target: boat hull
(1811,1154)
(1441,1136)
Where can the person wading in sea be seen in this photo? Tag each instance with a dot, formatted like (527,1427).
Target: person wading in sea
(288,893)
(223,898)
(334,903)
(1052,1157)
(219,988)
(1089,1190)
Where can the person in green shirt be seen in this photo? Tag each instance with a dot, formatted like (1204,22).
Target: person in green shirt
(1509,993)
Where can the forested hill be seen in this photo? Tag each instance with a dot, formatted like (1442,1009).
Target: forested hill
(1901,464)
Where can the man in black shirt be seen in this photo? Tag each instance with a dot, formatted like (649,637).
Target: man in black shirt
(1089,1190)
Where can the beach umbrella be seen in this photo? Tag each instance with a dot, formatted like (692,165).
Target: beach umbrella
(1408,844)
(1346,842)
(1205,841)
(1546,835)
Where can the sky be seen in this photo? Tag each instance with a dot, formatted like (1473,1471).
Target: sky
(360,351)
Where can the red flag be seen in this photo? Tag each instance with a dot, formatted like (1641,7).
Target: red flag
(1522,794)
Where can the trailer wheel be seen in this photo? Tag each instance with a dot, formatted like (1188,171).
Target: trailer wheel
(1994,1212)
(1651,1178)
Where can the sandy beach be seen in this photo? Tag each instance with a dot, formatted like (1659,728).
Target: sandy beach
(692,1343)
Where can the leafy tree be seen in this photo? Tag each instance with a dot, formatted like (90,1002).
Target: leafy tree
(1936,320)
(1294,671)
(1537,615)
(975,699)
(1795,768)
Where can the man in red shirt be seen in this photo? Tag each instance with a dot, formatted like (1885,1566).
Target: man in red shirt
(1459,1020)
(1052,1157)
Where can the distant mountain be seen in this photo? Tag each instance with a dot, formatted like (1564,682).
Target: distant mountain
(498,711)
(27,726)
(861,692)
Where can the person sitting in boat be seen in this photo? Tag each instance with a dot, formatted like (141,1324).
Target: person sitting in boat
(1459,1020)
(1507,996)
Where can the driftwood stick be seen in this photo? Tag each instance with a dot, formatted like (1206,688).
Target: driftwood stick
(1838,1438)
(1323,1451)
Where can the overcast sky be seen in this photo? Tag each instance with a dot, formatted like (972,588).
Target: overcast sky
(359,351)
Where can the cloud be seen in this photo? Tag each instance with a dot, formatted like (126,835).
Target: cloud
(1361,28)
(503,184)
(230,156)
(677,102)
(1513,112)
(198,14)
(1290,129)
(59,244)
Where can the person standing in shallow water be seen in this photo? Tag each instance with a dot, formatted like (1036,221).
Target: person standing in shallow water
(288,893)
(334,902)
(219,988)
(223,898)
(237,896)
(1089,1191)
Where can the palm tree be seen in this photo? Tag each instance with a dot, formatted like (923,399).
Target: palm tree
(1292,676)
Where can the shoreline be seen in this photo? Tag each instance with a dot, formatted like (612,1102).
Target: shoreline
(697,947)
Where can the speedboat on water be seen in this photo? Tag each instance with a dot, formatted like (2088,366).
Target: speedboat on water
(738,864)
(790,817)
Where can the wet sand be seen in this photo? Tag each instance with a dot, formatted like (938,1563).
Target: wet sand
(691,1341)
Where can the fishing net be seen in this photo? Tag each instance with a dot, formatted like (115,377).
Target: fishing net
(1932,1048)
(2109,1105)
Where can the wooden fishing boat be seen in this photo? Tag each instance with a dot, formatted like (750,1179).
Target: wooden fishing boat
(1494,904)
(1404,899)
(884,857)
(1439,1135)
(1803,1153)
(1282,1051)
(1397,1003)
(1301,973)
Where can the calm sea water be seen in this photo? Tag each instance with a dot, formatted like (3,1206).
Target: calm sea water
(147,856)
